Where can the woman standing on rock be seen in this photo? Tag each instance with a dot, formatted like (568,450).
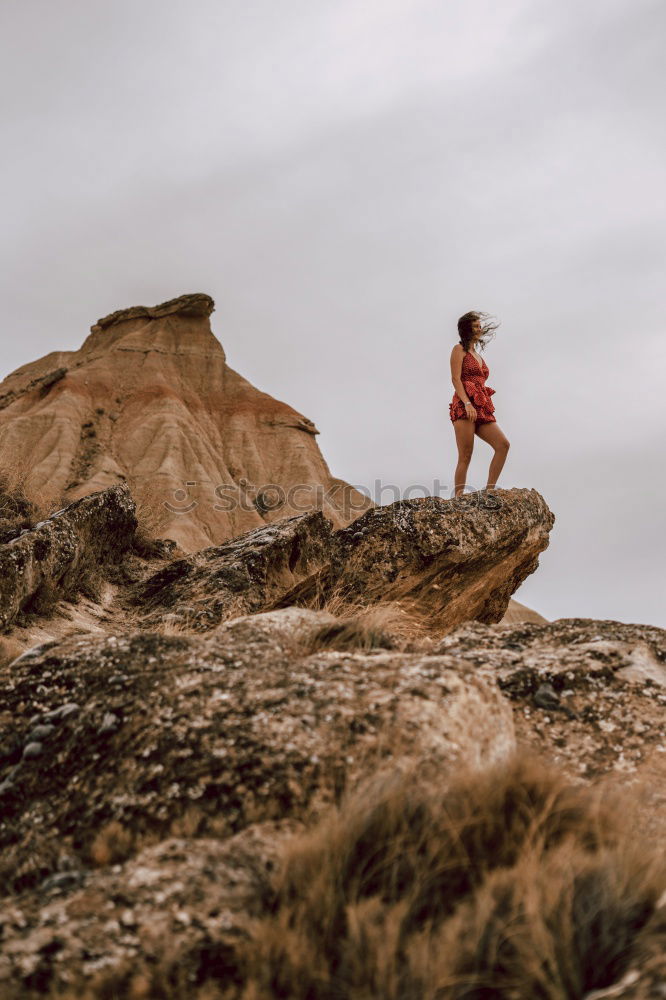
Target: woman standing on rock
(471,409)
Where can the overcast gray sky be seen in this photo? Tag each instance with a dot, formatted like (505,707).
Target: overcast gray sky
(346,178)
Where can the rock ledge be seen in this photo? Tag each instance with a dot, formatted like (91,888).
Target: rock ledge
(196,304)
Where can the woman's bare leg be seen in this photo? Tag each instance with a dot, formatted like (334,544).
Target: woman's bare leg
(498,441)
(464,429)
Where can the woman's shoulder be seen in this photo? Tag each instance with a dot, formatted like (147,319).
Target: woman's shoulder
(457,349)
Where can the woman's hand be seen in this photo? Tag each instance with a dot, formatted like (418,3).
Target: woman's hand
(470,412)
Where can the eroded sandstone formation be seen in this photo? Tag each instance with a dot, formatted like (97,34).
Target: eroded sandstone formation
(150,400)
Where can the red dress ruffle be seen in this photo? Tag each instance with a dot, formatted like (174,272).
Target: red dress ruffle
(473,377)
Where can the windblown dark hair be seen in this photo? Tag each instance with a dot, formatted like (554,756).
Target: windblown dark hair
(488,326)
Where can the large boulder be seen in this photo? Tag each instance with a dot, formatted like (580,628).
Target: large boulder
(589,694)
(245,575)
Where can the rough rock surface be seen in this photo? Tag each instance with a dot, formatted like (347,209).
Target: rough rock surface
(452,560)
(247,574)
(153,761)
(588,695)
(527,655)
(40,382)
(199,891)
(149,399)
(99,528)
(449,562)
(138,728)
(220,736)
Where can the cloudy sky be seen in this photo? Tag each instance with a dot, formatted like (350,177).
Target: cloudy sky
(346,178)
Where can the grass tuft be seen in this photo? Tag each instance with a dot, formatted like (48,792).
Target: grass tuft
(20,505)
(152,516)
(504,884)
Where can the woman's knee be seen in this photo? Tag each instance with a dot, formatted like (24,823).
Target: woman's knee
(503,445)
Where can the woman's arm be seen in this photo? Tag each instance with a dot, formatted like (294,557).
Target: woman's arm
(457,355)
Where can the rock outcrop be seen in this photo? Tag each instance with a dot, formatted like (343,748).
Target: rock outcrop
(248,574)
(451,560)
(97,528)
(41,382)
(527,655)
(448,562)
(140,728)
(149,399)
(174,771)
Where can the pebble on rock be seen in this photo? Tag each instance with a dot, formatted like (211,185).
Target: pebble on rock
(64,712)
(71,708)
(110,723)
(40,733)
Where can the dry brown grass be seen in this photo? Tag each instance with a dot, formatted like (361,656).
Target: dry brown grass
(27,862)
(511,884)
(21,506)
(85,577)
(400,620)
(166,978)
(397,624)
(187,624)
(152,516)
(346,633)
(189,823)
(113,843)
(359,626)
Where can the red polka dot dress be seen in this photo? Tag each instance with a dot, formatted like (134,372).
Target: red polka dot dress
(473,376)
